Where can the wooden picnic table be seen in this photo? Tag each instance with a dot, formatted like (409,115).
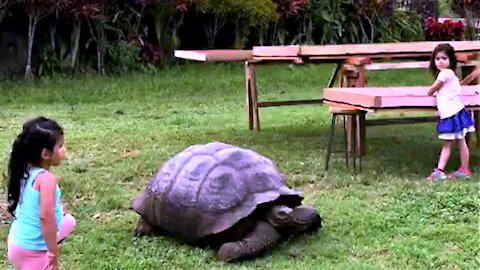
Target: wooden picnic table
(352,61)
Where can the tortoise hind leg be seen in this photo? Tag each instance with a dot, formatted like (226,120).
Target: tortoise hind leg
(262,238)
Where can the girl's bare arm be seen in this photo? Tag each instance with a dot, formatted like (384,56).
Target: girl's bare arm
(47,187)
(435,87)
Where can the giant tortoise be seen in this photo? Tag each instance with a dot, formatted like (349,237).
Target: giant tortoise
(224,196)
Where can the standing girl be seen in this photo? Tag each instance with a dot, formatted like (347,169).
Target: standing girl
(455,122)
(40,222)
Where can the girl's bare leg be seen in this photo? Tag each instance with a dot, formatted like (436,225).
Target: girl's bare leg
(464,153)
(445,154)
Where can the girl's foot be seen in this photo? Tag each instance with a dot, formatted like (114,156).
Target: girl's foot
(461,173)
(437,175)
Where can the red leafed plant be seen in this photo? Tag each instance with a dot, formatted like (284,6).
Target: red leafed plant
(85,8)
(287,8)
(151,54)
(449,30)
(180,5)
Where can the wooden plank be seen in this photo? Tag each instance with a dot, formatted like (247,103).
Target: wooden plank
(276,51)
(268,59)
(351,98)
(403,120)
(394,97)
(289,102)
(343,109)
(358,61)
(405,65)
(420,48)
(343,106)
(383,56)
(335,103)
(214,55)
(400,90)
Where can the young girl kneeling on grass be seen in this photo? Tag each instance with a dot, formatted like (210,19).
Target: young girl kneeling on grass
(455,121)
(40,220)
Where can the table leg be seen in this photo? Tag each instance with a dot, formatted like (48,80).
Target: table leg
(356,79)
(248,95)
(362,134)
(252,101)
(334,75)
(256,118)
(466,72)
(476,115)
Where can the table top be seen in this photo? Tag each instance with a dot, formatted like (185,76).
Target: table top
(326,52)
(422,47)
(214,55)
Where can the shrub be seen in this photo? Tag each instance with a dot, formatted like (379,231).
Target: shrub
(349,21)
(401,27)
(123,57)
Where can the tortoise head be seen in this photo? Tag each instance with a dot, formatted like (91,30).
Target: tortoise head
(294,220)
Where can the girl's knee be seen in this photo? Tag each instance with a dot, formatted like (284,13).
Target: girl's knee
(69,221)
(68,225)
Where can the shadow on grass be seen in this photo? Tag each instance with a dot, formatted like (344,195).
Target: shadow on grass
(399,151)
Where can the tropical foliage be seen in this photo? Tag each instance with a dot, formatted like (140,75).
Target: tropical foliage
(112,36)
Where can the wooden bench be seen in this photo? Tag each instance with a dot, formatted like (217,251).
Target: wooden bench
(408,99)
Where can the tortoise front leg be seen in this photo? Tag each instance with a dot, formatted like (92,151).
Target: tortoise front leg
(144,228)
(262,238)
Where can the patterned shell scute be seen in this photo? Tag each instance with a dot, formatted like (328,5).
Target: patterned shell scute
(218,180)
(162,182)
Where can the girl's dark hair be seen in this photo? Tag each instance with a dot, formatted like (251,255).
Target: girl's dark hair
(449,51)
(37,134)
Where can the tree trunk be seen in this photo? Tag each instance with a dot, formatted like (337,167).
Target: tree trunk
(53,30)
(77,30)
(32,25)
(158,29)
(274,34)
(175,28)
(101,47)
(3,12)
(211,29)
(241,32)
(470,24)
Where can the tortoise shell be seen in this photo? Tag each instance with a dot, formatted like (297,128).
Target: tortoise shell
(206,189)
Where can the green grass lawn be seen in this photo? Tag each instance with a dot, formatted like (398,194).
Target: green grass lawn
(119,131)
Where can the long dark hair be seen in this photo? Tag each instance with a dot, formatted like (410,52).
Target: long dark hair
(449,51)
(37,134)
